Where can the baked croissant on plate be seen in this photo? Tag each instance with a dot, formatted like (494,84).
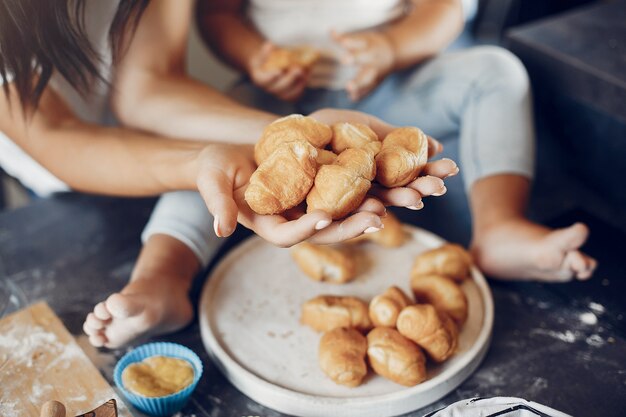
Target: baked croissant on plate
(342,354)
(385,308)
(451,260)
(327,312)
(395,357)
(324,263)
(443,293)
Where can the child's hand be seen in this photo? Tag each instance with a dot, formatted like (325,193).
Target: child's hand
(430,182)
(286,84)
(373,54)
(223,175)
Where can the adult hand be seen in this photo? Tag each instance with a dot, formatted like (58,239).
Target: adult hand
(287,84)
(430,183)
(373,55)
(223,175)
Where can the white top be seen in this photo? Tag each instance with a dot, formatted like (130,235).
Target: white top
(309,22)
(92,108)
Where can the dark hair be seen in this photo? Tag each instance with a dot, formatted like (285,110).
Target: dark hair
(40,36)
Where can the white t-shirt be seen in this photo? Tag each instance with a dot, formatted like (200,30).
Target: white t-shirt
(92,108)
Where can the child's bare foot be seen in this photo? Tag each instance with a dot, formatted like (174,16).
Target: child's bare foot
(145,307)
(519,249)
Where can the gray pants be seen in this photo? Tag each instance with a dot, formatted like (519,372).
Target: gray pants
(481,94)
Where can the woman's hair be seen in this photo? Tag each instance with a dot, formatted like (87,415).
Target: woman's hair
(40,36)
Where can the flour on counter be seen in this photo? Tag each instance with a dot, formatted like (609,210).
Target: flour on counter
(566,336)
(588,318)
(597,308)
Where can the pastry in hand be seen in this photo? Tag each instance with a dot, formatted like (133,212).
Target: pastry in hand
(324,263)
(392,235)
(283,58)
(353,135)
(395,357)
(295,127)
(385,308)
(327,312)
(402,157)
(451,260)
(430,328)
(342,354)
(441,292)
(340,188)
(283,180)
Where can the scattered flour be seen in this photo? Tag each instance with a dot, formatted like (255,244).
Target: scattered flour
(595,340)
(588,318)
(598,308)
(566,336)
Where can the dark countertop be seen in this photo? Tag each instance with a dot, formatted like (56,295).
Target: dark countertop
(582,52)
(73,250)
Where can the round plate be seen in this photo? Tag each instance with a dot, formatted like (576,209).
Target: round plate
(249,320)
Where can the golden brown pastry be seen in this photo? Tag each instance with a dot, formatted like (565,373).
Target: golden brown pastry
(325,157)
(395,357)
(342,356)
(441,292)
(341,187)
(392,235)
(283,58)
(157,376)
(283,180)
(402,157)
(353,135)
(295,127)
(327,312)
(385,308)
(324,263)
(426,326)
(451,260)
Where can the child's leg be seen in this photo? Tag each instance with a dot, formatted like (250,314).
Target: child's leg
(177,241)
(484,94)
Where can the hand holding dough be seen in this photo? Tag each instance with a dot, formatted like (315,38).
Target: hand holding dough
(385,308)
(431,329)
(451,260)
(327,312)
(340,188)
(283,58)
(441,292)
(283,180)
(292,128)
(324,263)
(395,357)
(342,356)
(402,157)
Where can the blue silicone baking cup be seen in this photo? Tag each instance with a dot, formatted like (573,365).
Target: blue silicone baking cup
(159,406)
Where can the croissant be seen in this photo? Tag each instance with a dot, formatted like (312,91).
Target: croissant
(431,329)
(283,180)
(353,135)
(385,308)
(450,260)
(324,263)
(392,235)
(295,127)
(402,157)
(325,157)
(283,58)
(441,292)
(341,187)
(327,312)
(342,354)
(395,357)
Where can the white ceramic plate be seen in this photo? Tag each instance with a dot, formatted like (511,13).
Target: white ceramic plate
(249,318)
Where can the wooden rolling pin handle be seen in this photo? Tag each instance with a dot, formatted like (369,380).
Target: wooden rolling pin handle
(53,409)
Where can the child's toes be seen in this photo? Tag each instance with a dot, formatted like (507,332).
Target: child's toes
(569,238)
(123,306)
(102,312)
(587,267)
(93,324)
(97,340)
